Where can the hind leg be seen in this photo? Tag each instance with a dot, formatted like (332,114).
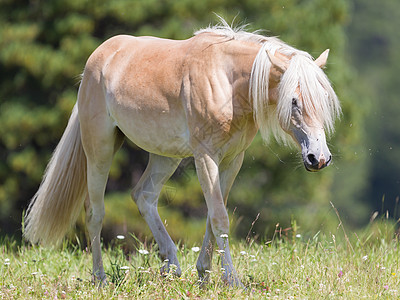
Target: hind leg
(100,140)
(98,168)
(146,193)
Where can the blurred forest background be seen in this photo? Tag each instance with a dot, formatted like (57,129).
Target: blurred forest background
(43,49)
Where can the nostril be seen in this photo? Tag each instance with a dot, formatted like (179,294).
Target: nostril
(312,159)
(329,160)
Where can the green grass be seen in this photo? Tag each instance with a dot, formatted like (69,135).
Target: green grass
(331,266)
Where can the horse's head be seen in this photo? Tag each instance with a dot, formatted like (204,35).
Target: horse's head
(305,105)
(309,134)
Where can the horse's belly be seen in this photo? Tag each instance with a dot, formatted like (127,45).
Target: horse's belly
(158,132)
(161,143)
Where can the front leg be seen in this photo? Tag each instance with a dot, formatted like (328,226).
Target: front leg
(205,257)
(227,174)
(208,173)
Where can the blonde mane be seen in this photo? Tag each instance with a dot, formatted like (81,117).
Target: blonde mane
(319,98)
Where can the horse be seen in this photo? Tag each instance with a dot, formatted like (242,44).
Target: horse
(205,97)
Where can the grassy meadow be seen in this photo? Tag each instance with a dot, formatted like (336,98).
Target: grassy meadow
(291,265)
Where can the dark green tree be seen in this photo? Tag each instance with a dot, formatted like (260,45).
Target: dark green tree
(44,46)
(374,46)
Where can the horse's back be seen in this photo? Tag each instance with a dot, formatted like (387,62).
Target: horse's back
(137,56)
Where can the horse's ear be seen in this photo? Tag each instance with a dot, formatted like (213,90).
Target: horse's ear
(277,63)
(322,59)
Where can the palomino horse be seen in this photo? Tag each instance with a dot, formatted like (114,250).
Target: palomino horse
(204,97)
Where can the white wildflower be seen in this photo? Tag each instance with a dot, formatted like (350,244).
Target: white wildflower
(195,249)
(298,235)
(243,252)
(124,268)
(224,235)
(120,237)
(221,251)
(143,251)
(364,258)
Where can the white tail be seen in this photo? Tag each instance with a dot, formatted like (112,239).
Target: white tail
(57,204)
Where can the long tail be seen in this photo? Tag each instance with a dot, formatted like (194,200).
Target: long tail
(57,204)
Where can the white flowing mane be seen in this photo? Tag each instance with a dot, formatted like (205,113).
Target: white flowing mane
(319,98)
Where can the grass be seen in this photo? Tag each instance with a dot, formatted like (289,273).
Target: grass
(292,266)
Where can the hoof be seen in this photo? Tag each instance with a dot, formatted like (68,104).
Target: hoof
(233,281)
(171,269)
(204,277)
(100,282)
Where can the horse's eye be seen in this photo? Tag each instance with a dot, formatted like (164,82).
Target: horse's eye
(294,101)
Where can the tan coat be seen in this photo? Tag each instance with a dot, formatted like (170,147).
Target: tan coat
(204,97)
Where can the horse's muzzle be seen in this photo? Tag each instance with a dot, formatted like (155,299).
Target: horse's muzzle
(312,164)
